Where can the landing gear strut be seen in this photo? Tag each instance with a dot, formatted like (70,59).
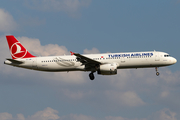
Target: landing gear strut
(91,76)
(157,73)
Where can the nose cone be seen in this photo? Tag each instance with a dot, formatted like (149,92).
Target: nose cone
(175,61)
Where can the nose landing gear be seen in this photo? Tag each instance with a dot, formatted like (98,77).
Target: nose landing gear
(157,73)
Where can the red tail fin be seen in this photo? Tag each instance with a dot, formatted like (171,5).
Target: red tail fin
(16,48)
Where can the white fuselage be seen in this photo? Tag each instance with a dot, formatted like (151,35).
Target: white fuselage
(122,60)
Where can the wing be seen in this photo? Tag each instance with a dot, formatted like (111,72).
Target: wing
(85,60)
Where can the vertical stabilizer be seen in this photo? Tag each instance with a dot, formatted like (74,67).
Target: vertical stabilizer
(17,50)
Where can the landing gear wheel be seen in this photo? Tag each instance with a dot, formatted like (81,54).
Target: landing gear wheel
(91,76)
(157,73)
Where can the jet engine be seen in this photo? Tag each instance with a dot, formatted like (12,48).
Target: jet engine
(107,69)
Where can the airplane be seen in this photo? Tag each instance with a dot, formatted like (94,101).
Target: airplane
(103,64)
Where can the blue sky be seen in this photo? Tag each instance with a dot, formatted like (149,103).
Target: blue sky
(55,27)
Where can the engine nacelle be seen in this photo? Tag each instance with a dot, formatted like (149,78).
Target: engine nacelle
(107,69)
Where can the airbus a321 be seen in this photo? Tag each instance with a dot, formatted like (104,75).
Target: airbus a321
(103,64)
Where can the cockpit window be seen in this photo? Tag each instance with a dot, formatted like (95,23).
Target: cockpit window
(166,55)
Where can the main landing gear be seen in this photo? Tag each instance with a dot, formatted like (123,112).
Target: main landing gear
(157,73)
(91,76)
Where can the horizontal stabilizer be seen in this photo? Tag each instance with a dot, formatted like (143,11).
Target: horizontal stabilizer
(15,61)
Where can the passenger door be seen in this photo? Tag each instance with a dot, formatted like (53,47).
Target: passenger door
(34,63)
(157,57)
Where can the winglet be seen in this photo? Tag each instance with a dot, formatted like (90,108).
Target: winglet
(72,53)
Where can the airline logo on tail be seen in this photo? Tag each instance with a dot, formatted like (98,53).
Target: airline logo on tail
(17,51)
(16,48)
